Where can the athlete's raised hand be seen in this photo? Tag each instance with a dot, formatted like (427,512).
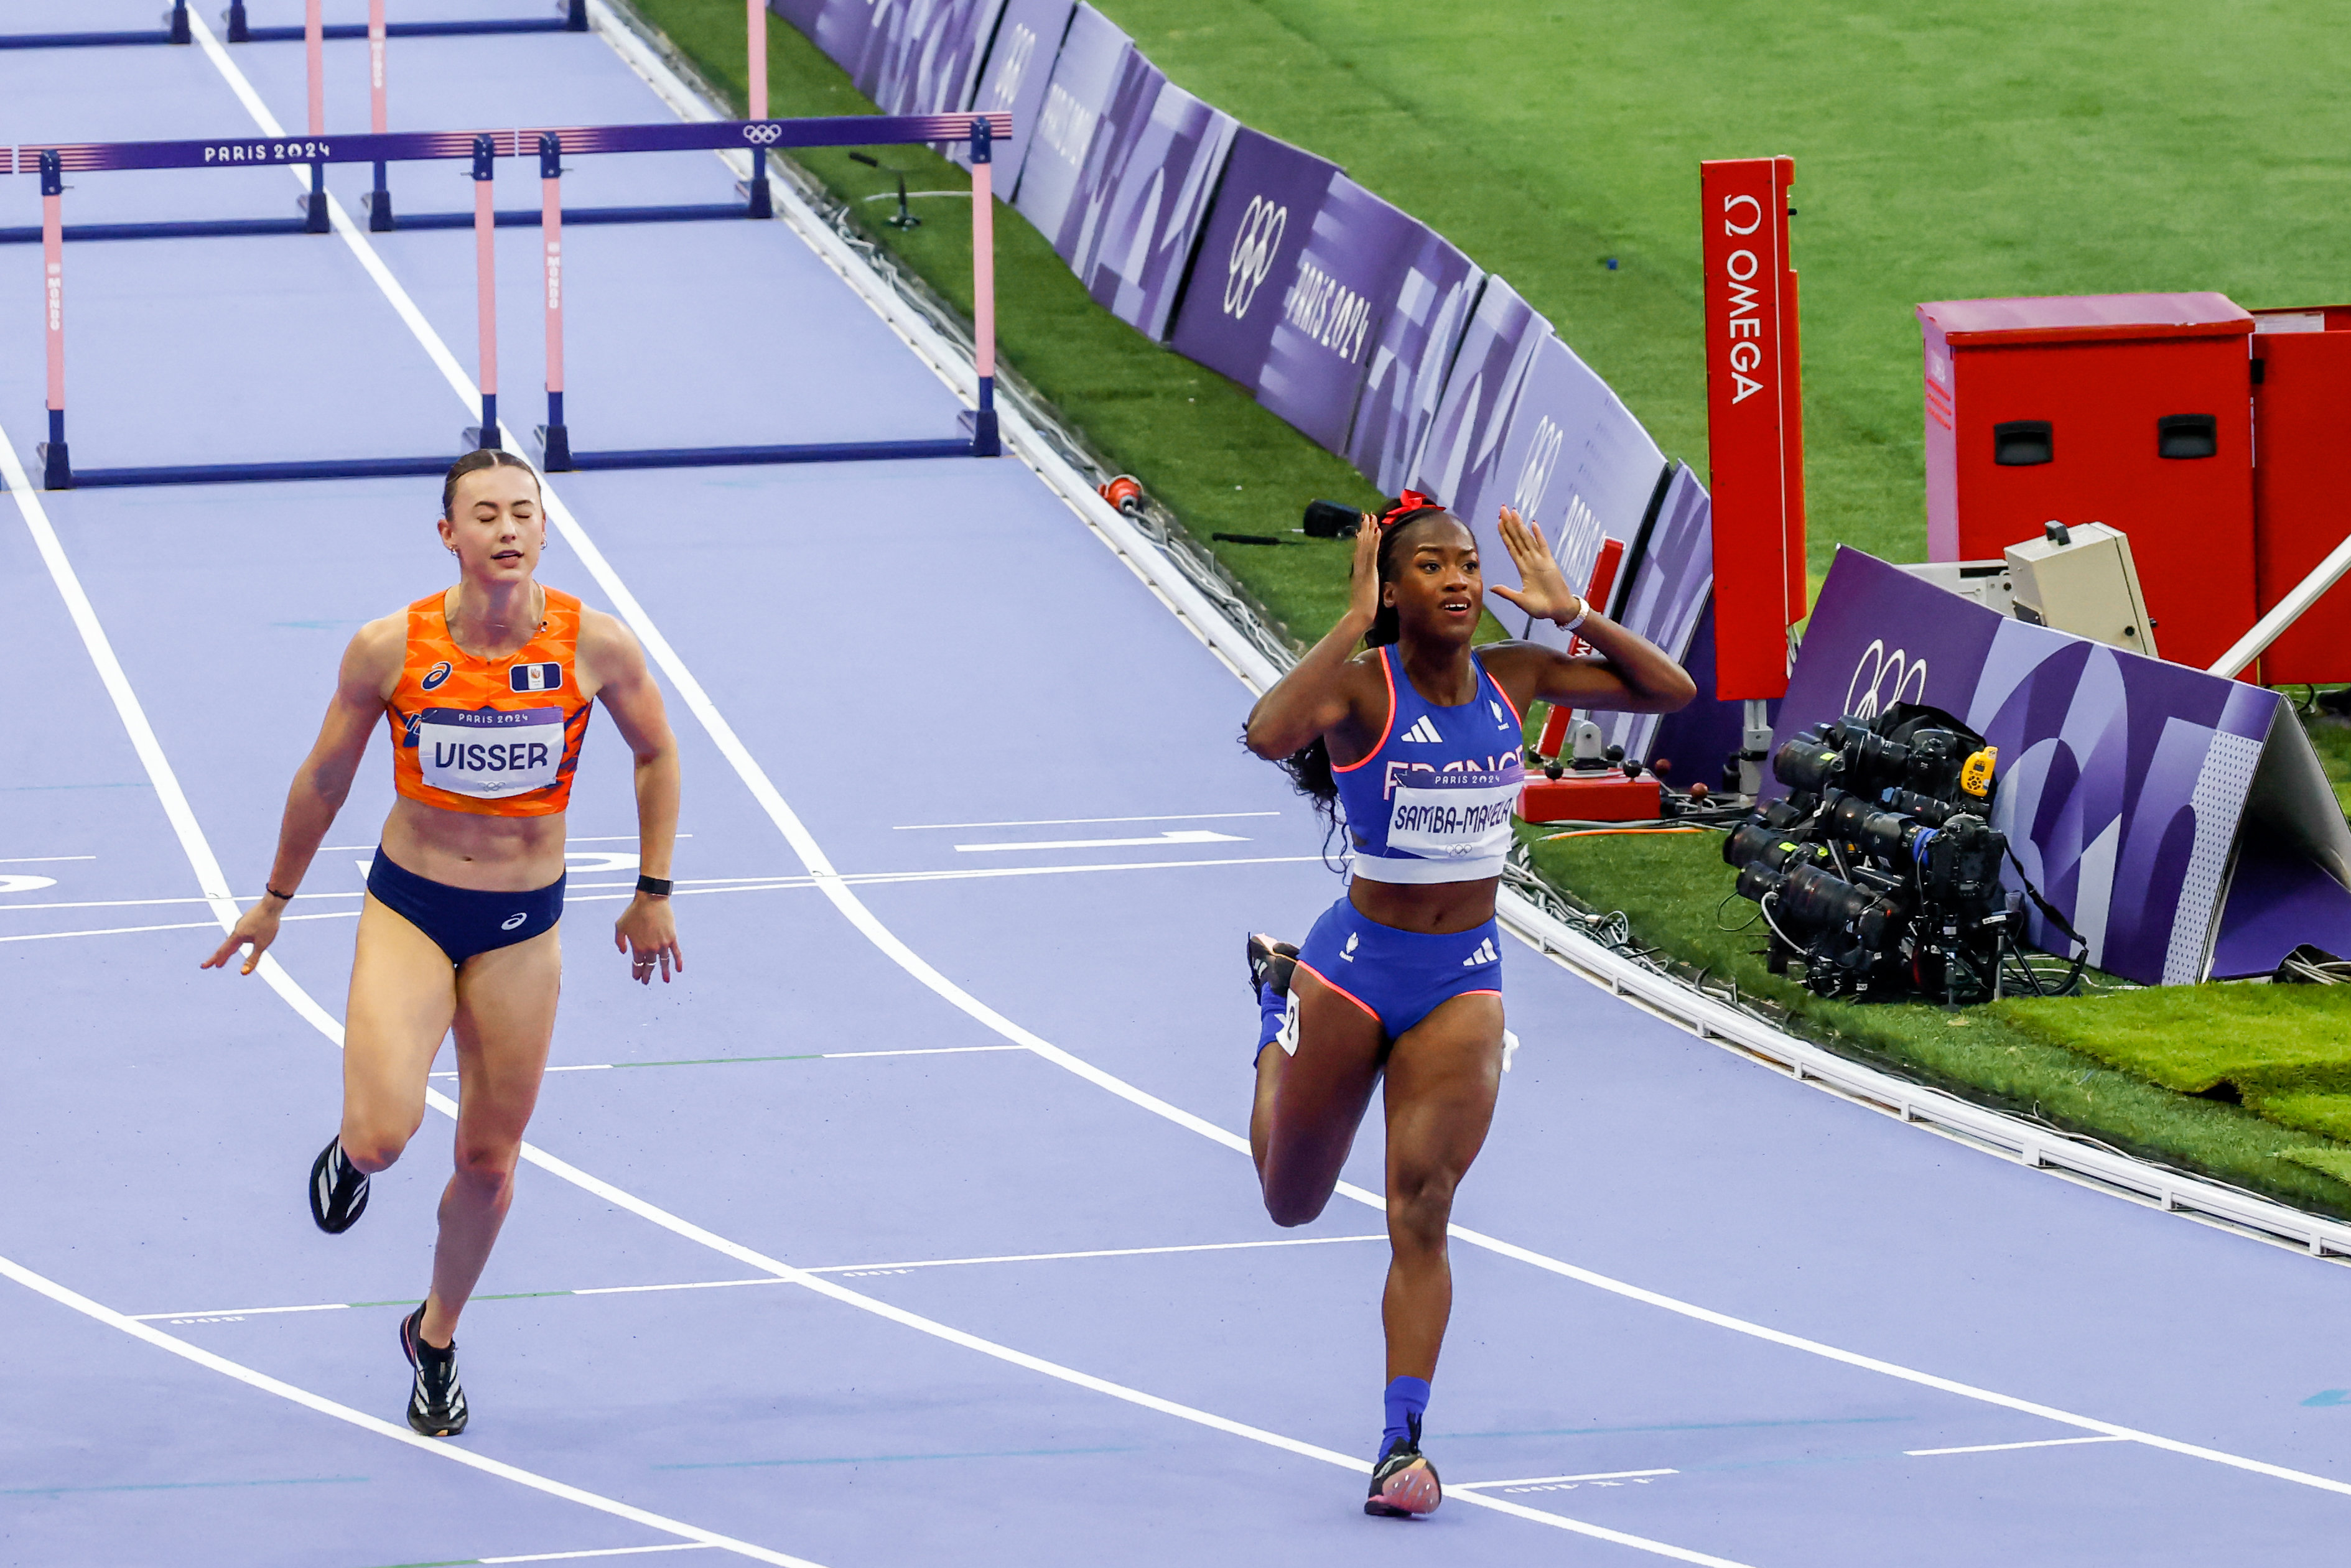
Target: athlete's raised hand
(1541,592)
(257,927)
(648,926)
(1363,570)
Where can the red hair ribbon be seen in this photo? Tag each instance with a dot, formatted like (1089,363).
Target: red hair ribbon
(1408,503)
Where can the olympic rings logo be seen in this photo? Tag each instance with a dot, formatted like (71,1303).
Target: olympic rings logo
(1254,247)
(1534,474)
(1868,693)
(763,134)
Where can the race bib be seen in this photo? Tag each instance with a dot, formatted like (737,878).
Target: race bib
(489,755)
(1452,816)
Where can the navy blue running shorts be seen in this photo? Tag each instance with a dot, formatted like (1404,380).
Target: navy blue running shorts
(1399,977)
(464,921)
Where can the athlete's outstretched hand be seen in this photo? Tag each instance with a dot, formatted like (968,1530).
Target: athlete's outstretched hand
(648,926)
(258,926)
(1541,592)
(1363,570)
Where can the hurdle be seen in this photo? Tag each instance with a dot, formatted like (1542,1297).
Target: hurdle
(573,18)
(757,201)
(980,434)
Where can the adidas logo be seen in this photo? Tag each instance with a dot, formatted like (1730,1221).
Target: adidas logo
(1484,955)
(1425,732)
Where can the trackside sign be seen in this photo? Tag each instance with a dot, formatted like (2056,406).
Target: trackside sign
(1755,432)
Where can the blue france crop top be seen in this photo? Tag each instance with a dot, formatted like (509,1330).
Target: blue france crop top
(1433,800)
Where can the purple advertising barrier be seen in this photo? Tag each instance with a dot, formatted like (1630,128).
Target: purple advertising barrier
(2180,822)
(1430,310)
(1256,228)
(1147,192)
(922,56)
(843,28)
(1347,279)
(1667,584)
(1020,64)
(804,14)
(1575,461)
(1457,462)
(1094,56)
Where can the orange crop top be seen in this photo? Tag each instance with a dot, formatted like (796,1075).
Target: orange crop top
(492,739)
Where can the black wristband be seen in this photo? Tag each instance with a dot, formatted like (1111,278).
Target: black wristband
(274,894)
(656,885)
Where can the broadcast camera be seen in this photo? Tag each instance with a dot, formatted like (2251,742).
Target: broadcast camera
(1879,872)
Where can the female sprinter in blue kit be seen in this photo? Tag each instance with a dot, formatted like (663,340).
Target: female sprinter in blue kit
(1419,741)
(486,688)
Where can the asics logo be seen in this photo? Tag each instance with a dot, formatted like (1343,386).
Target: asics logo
(1422,733)
(1881,679)
(434,676)
(763,134)
(1255,245)
(1485,953)
(511,921)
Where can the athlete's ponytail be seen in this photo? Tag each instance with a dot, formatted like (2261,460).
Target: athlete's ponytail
(1310,766)
(474,462)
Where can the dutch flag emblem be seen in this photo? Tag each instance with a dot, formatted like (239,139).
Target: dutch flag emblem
(535,677)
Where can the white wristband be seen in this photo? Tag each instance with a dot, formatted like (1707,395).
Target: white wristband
(1580,615)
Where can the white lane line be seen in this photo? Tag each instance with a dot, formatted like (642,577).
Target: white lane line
(606,1552)
(1178,836)
(2005,1447)
(1562,1481)
(838,892)
(181,926)
(795,1056)
(225,1313)
(450,1452)
(1082,822)
(43,860)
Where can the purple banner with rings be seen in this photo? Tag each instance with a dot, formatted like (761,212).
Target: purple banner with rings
(1094,56)
(1668,585)
(1426,318)
(1574,461)
(922,56)
(1019,65)
(1247,263)
(2126,785)
(1457,462)
(1146,194)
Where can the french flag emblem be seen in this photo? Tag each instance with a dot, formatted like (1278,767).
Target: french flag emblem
(535,677)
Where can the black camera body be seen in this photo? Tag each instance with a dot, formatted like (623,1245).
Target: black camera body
(1878,874)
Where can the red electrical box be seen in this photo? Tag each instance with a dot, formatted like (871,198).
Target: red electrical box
(2131,410)
(1595,797)
(2301,484)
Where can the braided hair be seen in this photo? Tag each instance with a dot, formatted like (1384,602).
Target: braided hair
(1310,766)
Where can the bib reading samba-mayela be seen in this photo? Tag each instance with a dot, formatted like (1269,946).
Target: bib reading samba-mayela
(492,737)
(1433,800)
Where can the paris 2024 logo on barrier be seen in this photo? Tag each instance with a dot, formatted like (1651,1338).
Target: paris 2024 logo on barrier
(1254,248)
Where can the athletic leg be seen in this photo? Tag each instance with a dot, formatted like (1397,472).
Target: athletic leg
(1310,1105)
(505,1021)
(403,994)
(1442,1078)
